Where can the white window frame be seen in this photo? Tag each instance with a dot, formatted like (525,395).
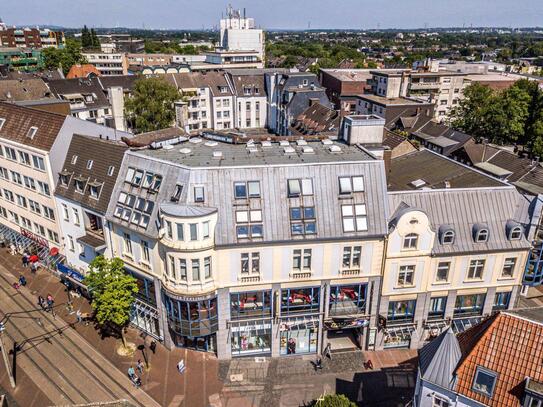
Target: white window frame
(476,266)
(405,272)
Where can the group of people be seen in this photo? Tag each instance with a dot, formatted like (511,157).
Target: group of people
(47,303)
(30,260)
(136,379)
(20,283)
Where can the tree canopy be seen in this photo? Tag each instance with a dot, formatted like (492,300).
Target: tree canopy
(112,290)
(334,400)
(151,106)
(64,58)
(509,116)
(89,39)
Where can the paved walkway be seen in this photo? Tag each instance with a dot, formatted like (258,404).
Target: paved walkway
(58,360)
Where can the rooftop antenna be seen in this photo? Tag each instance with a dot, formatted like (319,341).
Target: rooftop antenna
(244,13)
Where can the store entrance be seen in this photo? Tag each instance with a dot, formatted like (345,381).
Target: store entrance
(202,343)
(344,339)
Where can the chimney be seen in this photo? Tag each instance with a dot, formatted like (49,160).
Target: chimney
(447,184)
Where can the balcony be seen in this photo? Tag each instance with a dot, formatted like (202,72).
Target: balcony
(424,85)
(349,272)
(300,275)
(249,279)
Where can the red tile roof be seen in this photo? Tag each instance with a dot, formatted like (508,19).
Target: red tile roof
(82,71)
(508,345)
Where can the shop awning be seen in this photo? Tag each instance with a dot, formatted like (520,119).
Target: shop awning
(335,323)
(462,324)
(301,322)
(401,332)
(437,324)
(70,273)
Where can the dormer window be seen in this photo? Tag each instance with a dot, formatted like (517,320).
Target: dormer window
(64,178)
(177,193)
(89,164)
(223,89)
(484,381)
(410,241)
(80,185)
(515,233)
(481,236)
(2,121)
(94,190)
(448,237)
(31,132)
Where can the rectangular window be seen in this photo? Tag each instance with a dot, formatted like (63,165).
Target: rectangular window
(501,301)
(48,213)
(199,194)
(297,187)
(296,300)
(442,273)
(195,270)
(406,276)
(38,162)
(484,381)
(250,263)
(251,304)
(301,259)
(348,299)
(207,267)
(11,154)
(509,267)
(205,230)
(475,271)
(71,244)
(348,185)
(249,224)
(351,257)
(65,212)
(469,304)
(171,267)
(193,231)
(16,177)
(76,216)
(9,195)
(53,236)
(302,220)
(145,251)
(127,244)
(169,232)
(24,158)
(183,269)
(21,200)
(34,206)
(401,311)
(29,183)
(180,232)
(354,218)
(437,308)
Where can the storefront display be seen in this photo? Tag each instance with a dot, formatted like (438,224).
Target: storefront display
(299,336)
(248,338)
(252,304)
(347,299)
(401,311)
(469,304)
(300,300)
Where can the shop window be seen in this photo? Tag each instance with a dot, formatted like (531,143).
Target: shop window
(351,257)
(401,311)
(484,381)
(348,299)
(192,318)
(253,304)
(297,300)
(469,304)
(298,339)
(501,301)
(437,308)
(250,338)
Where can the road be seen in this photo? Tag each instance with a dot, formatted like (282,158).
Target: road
(56,358)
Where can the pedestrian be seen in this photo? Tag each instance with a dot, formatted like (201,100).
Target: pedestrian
(50,302)
(33,268)
(41,302)
(12,249)
(16,285)
(139,366)
(136,381)
(181,366)
(152,346)
(328,350)
(318,363)
(24,259)
(22,280)
(131,373)
(78,316)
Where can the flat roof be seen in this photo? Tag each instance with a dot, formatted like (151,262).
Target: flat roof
(210,153)
(395,72)
(534,314)
(436,171)
(349,75)
(390,101)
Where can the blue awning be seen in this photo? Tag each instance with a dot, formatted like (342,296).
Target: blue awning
(70,273)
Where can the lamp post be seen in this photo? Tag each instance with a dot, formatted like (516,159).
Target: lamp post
(142,348)
(5,355)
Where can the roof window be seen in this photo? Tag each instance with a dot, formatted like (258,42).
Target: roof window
(31,132)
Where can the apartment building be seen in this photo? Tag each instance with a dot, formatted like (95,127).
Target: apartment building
(30,37)
(33,146)
(85,183)
(252,249)
(457,246)
(21,59)
(250,98)
(342,85)
(108,63)
(289,95)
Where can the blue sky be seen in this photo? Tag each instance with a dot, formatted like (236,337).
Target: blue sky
(295,14)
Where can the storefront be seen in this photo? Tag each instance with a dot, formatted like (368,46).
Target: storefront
(346,316)
(398,336)
(144,313)
(299,335)
(193,321)
(250,325)
(399,324)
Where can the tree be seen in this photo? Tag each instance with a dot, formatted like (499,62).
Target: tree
(65,58)
(152,105)
(334,400)
(471,112)
(51,58)
(86,40)
(113,292)
(95,41)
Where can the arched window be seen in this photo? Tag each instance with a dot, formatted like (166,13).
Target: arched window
(481,236)
(448,237)
(410,241)
(515,233)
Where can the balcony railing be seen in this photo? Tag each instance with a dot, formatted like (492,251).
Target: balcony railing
(349,272)
(300,275)
(249,279)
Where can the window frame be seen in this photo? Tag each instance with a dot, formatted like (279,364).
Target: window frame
(488,372)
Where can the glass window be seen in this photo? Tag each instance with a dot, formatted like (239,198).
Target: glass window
(354,217)
(183,269)
(207,267)
(437,308)
(501,301)
(475,271)
(240,190)
(199,194)
(406,276)
(401,311)
(469,304)
(345,185)
(294,188)
(180,230)
(448,237)
(254,189)
(410,241)
(195,270)
(301,259)
(295,300)
(251,304)
(169,230)
(484,381)
(205,230)
(516,233)
(127,244)
(442,273)
(509,267)
(348,299)
(482,235)
(193,231)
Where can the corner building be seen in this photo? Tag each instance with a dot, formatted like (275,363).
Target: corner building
(264,249)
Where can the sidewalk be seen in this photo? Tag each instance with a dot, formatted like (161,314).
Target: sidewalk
(161,381)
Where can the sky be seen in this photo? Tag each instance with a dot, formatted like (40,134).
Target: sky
(269,14)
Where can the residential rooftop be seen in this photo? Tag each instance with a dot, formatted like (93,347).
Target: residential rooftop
(426,169)
(390,101)
(198,152)
(349,75)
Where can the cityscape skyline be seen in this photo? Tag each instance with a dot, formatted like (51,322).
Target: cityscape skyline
(302,14)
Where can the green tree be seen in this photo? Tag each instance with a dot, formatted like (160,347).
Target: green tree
(152,105)
(113,292)
(65,58)
(95,41)
(86,40)
(471,112)
(51,57)
(334,400)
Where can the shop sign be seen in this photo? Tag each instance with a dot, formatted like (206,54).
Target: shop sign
(32,236)
(191,298)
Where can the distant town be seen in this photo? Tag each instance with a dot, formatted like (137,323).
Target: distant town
(248,217)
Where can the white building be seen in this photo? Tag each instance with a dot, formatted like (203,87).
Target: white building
(108,63)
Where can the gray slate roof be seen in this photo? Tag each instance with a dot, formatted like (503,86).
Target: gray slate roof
(463,209)
(218,179)
(439,358)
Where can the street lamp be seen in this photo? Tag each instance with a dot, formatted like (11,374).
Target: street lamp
(142,348)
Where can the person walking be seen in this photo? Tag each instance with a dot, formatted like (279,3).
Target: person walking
(131,373)
(139,366)
(41,302)
(152,346)
(78,316)
(50,302)
(22,280)
(25,260)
